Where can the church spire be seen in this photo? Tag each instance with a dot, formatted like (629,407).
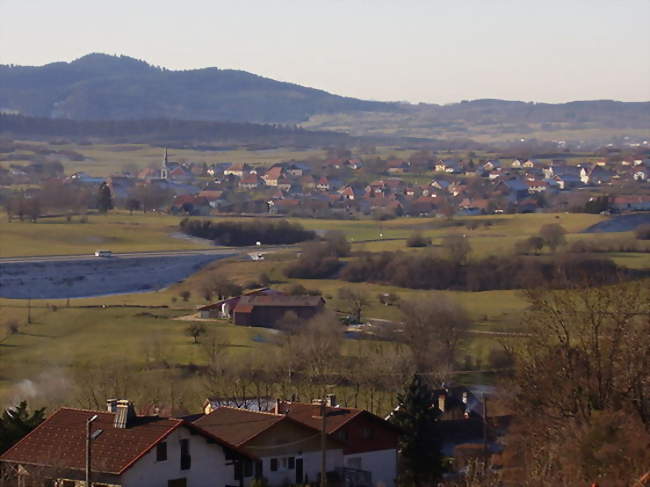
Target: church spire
(164,169)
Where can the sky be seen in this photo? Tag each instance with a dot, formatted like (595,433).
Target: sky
(394,50)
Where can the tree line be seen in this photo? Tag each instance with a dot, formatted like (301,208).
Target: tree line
(240,233)
(431,271)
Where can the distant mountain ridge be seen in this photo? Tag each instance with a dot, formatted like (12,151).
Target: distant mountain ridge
(103,87)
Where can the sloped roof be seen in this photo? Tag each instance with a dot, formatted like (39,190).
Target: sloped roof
(237,426)
(337,417)
(60,441)
(280,300)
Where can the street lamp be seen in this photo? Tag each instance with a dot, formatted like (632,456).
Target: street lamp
(89,439)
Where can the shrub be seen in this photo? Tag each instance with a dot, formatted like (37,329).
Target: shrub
(12,327)
(416,239)
(316,262)
(642,232)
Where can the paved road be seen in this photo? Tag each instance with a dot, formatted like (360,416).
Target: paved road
(130,255)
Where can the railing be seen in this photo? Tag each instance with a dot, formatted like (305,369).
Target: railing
(355,477)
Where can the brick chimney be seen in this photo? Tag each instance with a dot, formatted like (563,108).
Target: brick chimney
(330,401)
(125,414)
(442,400)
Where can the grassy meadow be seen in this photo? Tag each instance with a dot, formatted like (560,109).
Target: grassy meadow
(66,338)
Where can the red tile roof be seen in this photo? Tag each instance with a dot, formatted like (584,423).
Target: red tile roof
(309,414)
(237,426)
(61,441)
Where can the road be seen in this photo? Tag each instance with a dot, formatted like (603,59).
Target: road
(129,255)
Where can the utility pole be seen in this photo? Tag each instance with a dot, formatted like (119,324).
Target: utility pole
(29,311)
(323,443)
(89,422)
(485,433)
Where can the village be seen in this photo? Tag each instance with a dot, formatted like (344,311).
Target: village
(354,187)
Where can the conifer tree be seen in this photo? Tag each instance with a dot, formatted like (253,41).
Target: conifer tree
(104,198)
(420,461)
(16,422)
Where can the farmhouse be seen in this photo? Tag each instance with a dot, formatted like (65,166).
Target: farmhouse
(127,450)
(224,308)
(261,310)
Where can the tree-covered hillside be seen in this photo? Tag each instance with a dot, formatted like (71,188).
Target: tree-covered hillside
(102,87)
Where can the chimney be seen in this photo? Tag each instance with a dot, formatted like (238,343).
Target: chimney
(111,405)
(442,399)
(125,414)
(330,400)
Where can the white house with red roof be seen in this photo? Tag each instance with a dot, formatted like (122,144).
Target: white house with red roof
(127,451)
(370,443)
(285,451)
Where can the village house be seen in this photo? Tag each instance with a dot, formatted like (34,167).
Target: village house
(370,443)
(397,166)
(250,181)
(127,451)
(630,203)
(238,169)
(214,197)
(285,451)
(451,166)
(283,206)
(272,176)
(268,310)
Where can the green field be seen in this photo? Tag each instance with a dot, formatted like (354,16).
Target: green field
(65,339)
(117,231)
(102,160)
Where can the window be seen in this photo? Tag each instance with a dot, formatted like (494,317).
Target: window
(161,451)
(274,464)
(248,468)
(292,463)
(342,435)
(186,459)
(367,433)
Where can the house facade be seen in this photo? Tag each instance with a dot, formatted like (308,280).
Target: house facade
(370,442)
(127,451)
(284,451)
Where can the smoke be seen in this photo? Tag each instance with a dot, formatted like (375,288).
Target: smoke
(50,387)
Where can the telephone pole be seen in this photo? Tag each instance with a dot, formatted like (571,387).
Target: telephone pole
(485,433)
(323,443)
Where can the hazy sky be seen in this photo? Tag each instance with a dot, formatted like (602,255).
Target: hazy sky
(415,50)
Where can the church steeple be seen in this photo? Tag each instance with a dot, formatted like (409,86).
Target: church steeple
(164,168)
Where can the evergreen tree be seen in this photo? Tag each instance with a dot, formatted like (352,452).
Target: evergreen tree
(420,460)
(16,422)
(104,198)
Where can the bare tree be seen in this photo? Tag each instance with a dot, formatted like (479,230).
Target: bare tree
(581,377)
(434,329)
(195,329)
(354,300)
(553,235)
(457,248)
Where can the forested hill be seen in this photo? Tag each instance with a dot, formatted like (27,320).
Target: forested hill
(102,87)
(168,132)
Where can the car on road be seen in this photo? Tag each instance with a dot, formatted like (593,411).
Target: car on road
(103,253)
